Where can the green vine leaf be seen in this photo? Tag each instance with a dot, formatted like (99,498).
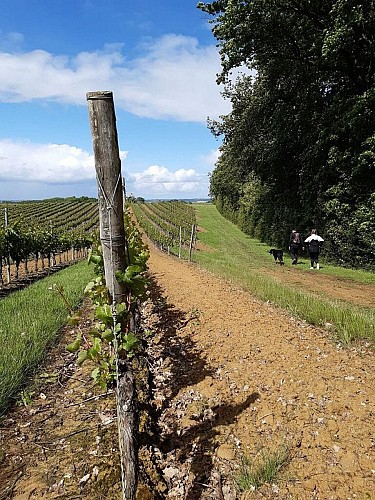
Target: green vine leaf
(95,259)
(96,348)
(74,318)
(82,356)
(96,374)
(135,281)
(108,335)
(121,310)
(104,314)
(130,343)
(103,333)
(75,345)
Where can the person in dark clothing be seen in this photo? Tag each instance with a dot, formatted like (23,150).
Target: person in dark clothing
(294,243)
(315,243)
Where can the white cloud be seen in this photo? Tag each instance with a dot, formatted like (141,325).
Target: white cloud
(160,181)
(173,79)
(211,158)
(11,40)
(25,162)
(46,163)
(22,161)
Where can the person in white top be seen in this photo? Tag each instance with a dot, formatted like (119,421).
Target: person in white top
(315,243)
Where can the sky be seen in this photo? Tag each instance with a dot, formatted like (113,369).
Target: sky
(160,60)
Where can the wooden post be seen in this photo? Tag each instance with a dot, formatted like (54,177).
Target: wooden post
(8,269)
(113,240)
(8,259)
(108,175)
(180,244)
(124,191)
(128,425)
(191,241)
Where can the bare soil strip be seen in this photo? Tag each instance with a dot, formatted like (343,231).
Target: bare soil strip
(269,379)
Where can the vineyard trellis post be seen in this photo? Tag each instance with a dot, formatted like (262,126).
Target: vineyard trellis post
(124,191)
(7,257)
(109,179)
(113,241)
(191,242)
(179,242)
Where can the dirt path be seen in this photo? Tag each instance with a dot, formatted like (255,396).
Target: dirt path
(359,294)
(234,376)
(269,380)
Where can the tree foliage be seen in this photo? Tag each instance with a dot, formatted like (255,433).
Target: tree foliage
(299,144)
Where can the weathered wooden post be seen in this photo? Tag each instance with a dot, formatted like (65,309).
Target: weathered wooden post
(191,241)
(109,179)
(124,190)
(180,243)
(113,241)
(7,259)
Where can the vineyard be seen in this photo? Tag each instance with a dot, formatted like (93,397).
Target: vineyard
(37,236)
(170,225)
(233,378)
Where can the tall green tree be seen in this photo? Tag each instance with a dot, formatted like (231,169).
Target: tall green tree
(298,146)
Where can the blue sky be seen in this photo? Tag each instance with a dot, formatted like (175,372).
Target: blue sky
(159,58)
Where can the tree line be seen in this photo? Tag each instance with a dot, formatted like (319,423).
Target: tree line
(298,147)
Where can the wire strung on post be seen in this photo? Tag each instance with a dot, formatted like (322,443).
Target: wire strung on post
(109,207)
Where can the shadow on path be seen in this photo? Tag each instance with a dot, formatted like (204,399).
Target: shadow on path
(188,366)
(186,361)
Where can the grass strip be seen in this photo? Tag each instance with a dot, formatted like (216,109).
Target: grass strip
(30,321)
(265,469)
(235,256)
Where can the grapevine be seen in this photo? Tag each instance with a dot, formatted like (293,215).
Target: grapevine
(38,230)
(101,348)
(170,224)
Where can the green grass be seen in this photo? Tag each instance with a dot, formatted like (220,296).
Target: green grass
(244,260)
(357,275)
(264,470)
(30,321)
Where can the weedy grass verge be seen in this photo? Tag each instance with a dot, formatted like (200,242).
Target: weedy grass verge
(30,321)
(237,257)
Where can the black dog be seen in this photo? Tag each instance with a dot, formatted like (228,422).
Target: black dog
(277,255)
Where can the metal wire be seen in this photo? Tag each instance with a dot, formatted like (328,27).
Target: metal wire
(109,203)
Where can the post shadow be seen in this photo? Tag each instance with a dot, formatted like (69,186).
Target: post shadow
(203,436)
(189,366)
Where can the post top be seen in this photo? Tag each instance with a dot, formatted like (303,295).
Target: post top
(99,94)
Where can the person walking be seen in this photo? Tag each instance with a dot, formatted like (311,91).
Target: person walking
(294,242)
(315,243)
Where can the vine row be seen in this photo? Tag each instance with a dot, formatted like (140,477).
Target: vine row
(42,230)
(170,225)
